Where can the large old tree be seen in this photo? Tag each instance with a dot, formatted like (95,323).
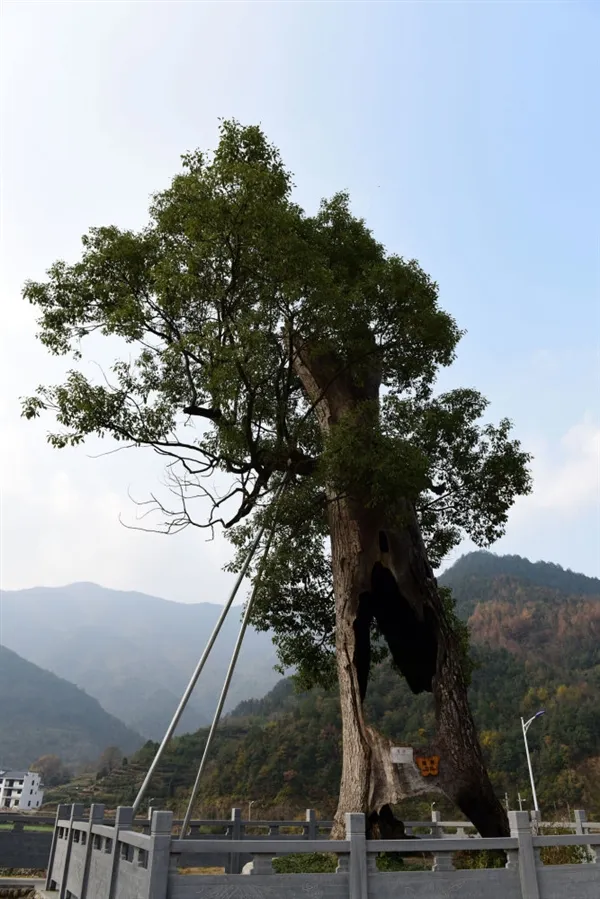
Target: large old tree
(258,343)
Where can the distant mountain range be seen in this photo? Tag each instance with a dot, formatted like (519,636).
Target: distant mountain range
(135,653)
(41,714)
(535,626)
(536,644)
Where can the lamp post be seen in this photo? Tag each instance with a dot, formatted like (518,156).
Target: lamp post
(250,804)
(526,725)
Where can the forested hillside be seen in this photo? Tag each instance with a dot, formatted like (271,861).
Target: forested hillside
(135,653)
(533,647)
(42,714)
(476,578)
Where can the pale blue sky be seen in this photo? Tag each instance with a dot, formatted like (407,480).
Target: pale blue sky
(468,135)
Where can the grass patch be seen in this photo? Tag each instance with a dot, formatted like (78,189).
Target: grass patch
(327,862)
(201,870)
(34,873)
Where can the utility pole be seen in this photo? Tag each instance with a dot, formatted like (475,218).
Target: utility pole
(526,725)
(520,802)
(506,802)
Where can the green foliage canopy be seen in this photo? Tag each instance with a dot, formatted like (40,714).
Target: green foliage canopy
(211,305)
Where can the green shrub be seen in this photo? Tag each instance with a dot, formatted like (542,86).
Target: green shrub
(563,855)
(306,863)
(390,861)
(394,861)
(482,858)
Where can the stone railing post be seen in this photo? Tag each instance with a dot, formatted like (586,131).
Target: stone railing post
(61,812)
(96,817)
(536,821)
(76,815)
(442,861)
(311,821)
(357,869)
(436,830)
(580,820)
(520,827)
(235,832)
(589,854)
(159,856)
(123,821)
(146,826)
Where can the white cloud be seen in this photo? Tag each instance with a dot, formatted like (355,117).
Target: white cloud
(560,520)
(567,475)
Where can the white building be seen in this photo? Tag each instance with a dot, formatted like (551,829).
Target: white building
(20,789)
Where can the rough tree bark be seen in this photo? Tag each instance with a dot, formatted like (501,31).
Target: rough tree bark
(382,573)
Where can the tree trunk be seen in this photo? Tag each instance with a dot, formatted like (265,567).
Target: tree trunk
(382,573)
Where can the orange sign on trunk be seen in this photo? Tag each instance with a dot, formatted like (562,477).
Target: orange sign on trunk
(428,765)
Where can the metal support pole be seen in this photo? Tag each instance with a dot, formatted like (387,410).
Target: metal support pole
(230,670)
(193,680)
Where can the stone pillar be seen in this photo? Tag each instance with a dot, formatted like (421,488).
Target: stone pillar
(159,856)
(580,820)
(235,831)
(96,817)
(148,824)
(75,815)
(536,820)
(61,812)
(590,854)
(520,827)
(123,821)
(311,821)
(357,873)
(442,861)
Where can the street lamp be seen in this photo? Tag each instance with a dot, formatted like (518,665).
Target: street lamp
(250,804)
(526,725)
